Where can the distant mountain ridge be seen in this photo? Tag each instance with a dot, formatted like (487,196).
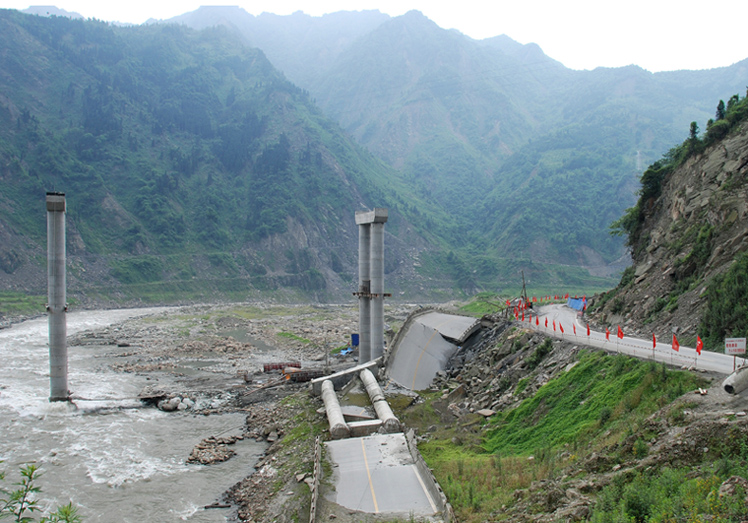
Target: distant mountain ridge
(468,123)
(299,45)
(50,10)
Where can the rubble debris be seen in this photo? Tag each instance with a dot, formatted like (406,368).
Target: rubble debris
(269,367)
(303,376)
(213,450)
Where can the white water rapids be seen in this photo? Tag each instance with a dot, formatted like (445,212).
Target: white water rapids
(117,460)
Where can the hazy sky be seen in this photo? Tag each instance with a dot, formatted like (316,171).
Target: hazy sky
(658,35)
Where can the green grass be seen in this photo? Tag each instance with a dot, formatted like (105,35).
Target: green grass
(338,350)
(668,495)
(18,303)
(521,386)
(484,303)
(598,402)
(292,336)
(567,409)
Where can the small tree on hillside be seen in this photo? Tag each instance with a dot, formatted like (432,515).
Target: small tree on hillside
(693,134)
(693,138)
(720,115)
(732,102)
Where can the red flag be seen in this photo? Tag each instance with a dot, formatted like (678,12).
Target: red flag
(516,313)
(654,341)
(588,329)
(676,345)
(567,296)
(607,334)
(507,303)
(561,327)
(574,326)
(546,322)
(523,315)
(537,321)
(534,299)
(699,345)
(620,332)
(554,325)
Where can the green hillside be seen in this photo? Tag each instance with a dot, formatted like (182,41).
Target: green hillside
(191,166)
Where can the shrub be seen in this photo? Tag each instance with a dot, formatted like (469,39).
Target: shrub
(640,449)
(540,353)
(19,503)
(727,305)
(637,505)
(605,414)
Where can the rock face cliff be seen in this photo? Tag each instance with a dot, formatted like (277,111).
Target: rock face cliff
(692,232)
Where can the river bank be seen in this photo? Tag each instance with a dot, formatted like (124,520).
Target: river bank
(119,459)
(208,361)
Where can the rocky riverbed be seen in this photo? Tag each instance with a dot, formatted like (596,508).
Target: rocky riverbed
(211,360)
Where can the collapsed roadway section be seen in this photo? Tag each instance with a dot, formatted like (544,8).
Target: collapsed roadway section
(374,467)
(424,346)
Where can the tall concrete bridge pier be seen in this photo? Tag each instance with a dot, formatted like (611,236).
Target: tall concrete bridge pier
(371,283)
(56,298)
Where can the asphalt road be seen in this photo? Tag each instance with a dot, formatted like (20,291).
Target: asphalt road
(663,352)
(376,474)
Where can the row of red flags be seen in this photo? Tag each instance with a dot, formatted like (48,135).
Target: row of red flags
(675,344)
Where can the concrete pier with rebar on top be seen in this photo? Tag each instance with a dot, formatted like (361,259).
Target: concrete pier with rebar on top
(56,298)
(371,283)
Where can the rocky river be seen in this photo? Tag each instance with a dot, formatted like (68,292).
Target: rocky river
(114,457)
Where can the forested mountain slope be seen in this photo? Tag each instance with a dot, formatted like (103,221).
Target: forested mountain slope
(191,167)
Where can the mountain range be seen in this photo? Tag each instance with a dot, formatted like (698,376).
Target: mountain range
(227,158)
(487,128)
